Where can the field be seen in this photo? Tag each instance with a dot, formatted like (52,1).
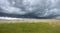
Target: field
(35,26)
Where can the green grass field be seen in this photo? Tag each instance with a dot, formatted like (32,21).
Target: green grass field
(29,28)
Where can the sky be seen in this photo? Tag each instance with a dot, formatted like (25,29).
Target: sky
(38,9)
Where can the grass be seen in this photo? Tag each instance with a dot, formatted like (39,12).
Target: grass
(28,28)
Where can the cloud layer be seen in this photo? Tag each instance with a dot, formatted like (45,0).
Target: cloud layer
(39,8)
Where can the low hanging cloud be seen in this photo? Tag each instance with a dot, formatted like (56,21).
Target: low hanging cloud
(40,8)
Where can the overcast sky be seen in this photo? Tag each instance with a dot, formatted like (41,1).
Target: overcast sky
(30,8)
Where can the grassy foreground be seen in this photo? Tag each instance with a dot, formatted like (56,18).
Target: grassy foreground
(28,28)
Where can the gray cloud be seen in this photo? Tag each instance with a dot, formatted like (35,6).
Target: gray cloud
(40,8)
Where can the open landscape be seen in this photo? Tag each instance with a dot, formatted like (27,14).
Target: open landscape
(29,16)
(30,26)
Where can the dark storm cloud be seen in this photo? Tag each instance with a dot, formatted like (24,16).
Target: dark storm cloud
(30,8)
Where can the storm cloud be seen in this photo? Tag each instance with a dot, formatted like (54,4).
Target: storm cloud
(30,8)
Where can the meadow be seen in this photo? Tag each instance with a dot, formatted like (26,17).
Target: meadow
(34,27)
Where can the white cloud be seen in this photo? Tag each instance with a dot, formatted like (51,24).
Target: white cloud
(8,18)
